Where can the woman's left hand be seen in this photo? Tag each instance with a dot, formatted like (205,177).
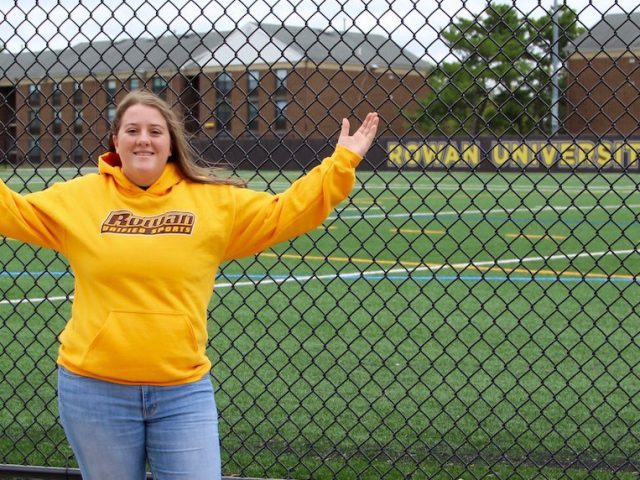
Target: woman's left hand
(362,139)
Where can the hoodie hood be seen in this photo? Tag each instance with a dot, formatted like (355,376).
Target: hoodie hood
(109,164)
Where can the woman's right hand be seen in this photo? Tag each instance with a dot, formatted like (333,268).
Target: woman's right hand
(361,140)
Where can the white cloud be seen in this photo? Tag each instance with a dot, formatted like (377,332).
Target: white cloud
(413,24)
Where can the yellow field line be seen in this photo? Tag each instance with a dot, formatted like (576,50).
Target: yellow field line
(549,272)
(342,259)
(531,235)
(442,232)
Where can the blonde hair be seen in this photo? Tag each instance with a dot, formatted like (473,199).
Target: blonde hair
(182,153)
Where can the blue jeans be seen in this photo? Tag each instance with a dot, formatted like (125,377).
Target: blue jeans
(114,429)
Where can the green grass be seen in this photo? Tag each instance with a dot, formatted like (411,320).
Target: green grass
(492,333)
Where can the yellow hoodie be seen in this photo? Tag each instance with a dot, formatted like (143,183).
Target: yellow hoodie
(145,260)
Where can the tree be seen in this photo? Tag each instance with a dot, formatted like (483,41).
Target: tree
(500,80)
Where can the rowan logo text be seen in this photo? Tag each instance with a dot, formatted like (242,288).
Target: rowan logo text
(125,222)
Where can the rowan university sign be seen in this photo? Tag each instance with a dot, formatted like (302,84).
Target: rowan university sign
(492,153)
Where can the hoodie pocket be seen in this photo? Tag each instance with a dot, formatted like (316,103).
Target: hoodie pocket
(144,347)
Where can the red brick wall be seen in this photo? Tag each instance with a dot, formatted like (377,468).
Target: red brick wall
(316,102)
(602,95)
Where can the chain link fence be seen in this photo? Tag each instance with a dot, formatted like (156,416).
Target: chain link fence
(470,312)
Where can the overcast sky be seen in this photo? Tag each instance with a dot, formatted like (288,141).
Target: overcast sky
(412,24)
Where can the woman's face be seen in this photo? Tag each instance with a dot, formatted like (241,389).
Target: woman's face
(143,143)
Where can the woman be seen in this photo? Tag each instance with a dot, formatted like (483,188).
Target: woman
(144,237)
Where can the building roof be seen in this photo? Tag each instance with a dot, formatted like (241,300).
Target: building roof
(615,32)
(247,45)
(102,58)
(351,47)
(270,44)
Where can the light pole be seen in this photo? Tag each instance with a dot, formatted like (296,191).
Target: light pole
(554,70)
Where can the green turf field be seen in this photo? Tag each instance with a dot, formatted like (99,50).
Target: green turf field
(440,325)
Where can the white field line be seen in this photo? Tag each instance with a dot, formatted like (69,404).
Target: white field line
(362,208)
(483,212)
(496,188)
(468,188)
(281,186)
(353,275)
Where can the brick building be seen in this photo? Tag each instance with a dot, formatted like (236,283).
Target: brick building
(603,78)
(259,82)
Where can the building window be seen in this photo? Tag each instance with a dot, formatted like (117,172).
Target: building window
(110,88)
(281,119)
(56,156)
(56,96)
(56,126)
(223,117)
(134,84)
(34,95)
(34,123)
(34,154)
(223,84)
(281,81)
(253,80)
(224,112)
(77,123)
(159,86)
(252,115)
(77,93)
(111,113)
(77,156)
(34,127)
